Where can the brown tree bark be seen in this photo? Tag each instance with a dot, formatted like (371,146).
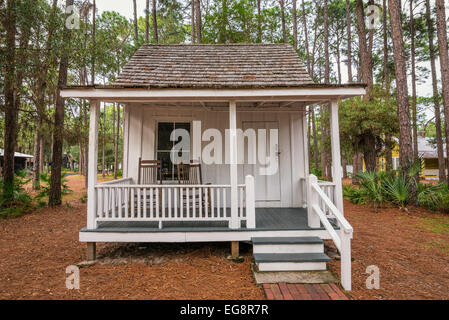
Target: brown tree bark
(436,96)
(147,21)
(55,196)
(10,110)
(444,65)
(41,155)
(349,40)
(306,38)
(412,57)
(39,93)
(366,74)
(284,29)
(155,33)
(94,28)
(198,21)
(192,4)
(136,34)
(326,43)
(388,141)
(295,26)
(405,137)
(36,155)
(259,22)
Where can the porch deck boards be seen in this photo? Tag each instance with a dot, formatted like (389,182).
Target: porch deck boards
(266,219)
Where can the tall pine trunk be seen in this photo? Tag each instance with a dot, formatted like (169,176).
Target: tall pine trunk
(198,21)
(136,34)
(154,13)
(284,30)
(147,21)
(192,4)
(444,65)
(10,111)
(405,135)
(55,197)
(436,96)
(306,38)
(388,141)
(348,34)
(295,26)
(259,23)
(412,57)
(36,155)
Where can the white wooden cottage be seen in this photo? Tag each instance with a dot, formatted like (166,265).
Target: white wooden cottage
(286,214)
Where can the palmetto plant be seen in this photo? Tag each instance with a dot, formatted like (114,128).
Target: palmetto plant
(370,183)
(396,189)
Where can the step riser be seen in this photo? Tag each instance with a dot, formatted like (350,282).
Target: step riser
(291,266)
(288,248)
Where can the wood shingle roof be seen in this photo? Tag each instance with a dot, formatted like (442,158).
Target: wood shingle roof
(214,66)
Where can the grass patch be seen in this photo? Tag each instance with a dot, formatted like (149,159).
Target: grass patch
(442,246)
(437,225)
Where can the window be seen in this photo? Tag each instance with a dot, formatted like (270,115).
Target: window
(165,147)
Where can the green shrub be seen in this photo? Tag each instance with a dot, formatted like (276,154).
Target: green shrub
(21,201)
(355,195)
(45,188)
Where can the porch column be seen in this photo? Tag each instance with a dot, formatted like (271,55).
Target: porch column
(92,164)
(234,224)
(336,156)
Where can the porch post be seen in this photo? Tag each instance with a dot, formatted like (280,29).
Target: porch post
(336,156)
(92,165)
(234,224)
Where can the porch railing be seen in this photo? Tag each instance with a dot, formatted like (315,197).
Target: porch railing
(328,188)
(123,200)
(341,236)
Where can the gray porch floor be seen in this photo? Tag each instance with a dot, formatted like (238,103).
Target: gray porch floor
(266,219)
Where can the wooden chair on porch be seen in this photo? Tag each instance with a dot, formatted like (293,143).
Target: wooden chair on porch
(191,174)
(150,173)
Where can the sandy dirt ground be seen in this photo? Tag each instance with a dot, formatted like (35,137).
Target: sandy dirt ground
(411,250)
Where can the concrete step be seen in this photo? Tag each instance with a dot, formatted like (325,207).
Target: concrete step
(291,261)
(287,245)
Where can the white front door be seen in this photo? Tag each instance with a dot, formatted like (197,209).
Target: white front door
(267,187)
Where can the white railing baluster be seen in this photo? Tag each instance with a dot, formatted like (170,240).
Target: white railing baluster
(144,202)
(224,202)
(200,203)
(194,202)
(181,203)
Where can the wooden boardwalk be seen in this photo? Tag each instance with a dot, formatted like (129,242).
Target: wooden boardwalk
(291,291)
